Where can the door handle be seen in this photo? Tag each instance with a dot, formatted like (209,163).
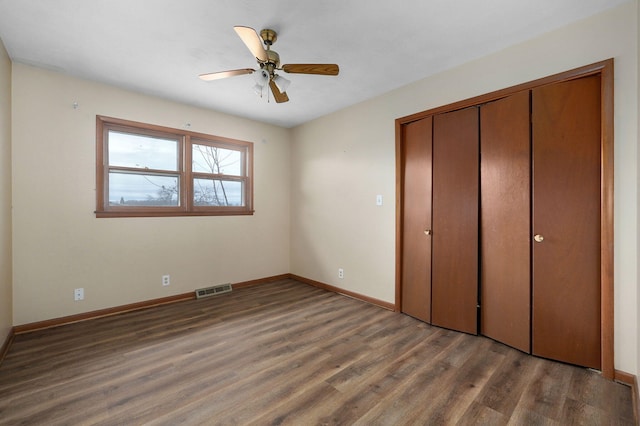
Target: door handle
(427,232)
(538,238)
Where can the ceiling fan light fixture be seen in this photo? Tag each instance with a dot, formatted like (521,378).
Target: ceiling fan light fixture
(258,89)
(281,82)
(261,77)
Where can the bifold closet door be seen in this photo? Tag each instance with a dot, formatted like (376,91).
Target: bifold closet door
(505,223)
(454,272)
(566,221)
(416,239)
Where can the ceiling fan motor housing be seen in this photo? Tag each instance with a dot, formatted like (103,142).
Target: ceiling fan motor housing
(273,61)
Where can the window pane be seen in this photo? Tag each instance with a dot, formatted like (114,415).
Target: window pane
(216,192)
(126,189)
(130,150)
(211,159)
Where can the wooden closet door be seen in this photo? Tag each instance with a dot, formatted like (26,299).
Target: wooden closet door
(416,244)
(505,221)
(566,217)
(454,274)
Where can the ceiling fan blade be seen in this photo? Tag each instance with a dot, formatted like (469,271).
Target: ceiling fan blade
(225,74)
(322,69)
(253,41)
(277,94)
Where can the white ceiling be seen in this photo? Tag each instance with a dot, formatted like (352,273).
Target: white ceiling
(159,47)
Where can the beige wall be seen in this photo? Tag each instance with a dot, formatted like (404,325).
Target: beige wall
(5,194)
(341,161)
(58,243)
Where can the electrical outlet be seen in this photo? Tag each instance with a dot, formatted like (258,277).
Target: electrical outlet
(166,280)
(340,273)
(78,294)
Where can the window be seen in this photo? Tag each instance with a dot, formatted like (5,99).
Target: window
(146,170)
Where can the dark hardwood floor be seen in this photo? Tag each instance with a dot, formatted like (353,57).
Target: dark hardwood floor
(288,353)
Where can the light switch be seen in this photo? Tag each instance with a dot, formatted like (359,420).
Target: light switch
(378,200)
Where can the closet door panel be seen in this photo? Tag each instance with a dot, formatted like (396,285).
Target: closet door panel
(454,277)
(505,221)
(566,216)
(416,244)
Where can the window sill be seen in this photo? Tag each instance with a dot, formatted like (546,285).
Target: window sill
(106,214)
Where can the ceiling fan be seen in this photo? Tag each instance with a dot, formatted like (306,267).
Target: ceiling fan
(269,63)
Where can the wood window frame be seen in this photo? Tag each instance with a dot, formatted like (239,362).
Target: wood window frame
(606,71)
(185,139)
